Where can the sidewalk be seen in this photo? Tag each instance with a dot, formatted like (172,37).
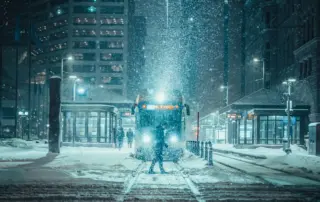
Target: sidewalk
(298,161)
(28,161)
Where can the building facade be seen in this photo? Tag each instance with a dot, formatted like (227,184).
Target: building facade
(280,41)
(94,33)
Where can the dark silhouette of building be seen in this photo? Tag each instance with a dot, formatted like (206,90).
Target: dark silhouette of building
(137,32)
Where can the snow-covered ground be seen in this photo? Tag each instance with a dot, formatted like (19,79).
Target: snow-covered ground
(19,157)
(24,160)
(298,160)
(21,150)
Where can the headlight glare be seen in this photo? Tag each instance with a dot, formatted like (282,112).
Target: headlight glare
(146,138)
(174,139)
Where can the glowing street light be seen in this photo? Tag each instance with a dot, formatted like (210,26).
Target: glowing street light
(81,91)
(226,88)
(256,60)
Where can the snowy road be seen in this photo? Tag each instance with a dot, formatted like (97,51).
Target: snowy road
(182,183)
(96,174)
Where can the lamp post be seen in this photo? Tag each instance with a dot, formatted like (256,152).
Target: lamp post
(69,58)
(288,110)
(256,60)
(22,114)
(75,80)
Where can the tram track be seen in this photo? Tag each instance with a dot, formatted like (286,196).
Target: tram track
(146,187)
(262,166)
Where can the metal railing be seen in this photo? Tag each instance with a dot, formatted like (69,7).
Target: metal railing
(201,149)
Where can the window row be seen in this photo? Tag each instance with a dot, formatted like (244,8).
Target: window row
(105,80)
(93,21)
(120,1)
(54,25)
(115,68)
(101,45)
(55,36)
(103,56)
(92,33)
(56,47)
(103,9)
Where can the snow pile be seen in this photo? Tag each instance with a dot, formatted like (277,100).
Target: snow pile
(298,161)
(15,142)
(21,150)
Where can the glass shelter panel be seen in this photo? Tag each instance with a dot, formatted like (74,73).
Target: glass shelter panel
(263,129)
(249,131)
(69,127)
(92,126)
(271,129)
(103,127)
(81,127)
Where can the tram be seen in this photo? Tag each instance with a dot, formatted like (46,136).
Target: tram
(152,108)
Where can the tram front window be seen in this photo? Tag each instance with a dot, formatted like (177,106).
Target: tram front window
(154,118)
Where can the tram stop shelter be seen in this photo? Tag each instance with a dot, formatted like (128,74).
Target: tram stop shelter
(260,118)
(93,124)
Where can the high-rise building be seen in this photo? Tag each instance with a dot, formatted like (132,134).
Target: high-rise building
(94,33)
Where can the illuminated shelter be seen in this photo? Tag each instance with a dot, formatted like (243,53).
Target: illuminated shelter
(93,123)
(260,118)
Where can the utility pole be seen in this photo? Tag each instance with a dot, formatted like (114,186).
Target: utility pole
(226,50)
(17,92)
(288,110)
(30,70)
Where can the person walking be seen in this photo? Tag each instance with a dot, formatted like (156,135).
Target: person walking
(130,137)
(120,137)
(158,148)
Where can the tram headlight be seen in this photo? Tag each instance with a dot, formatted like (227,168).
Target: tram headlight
(146,138)
(174,139)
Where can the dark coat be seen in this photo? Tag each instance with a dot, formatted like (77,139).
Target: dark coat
(159,142)
(120,135)
(130,136)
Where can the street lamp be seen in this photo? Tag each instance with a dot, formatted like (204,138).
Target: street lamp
(288,110)
(69,58)
(81,90)
(75,80)
(226,88)
(256,60)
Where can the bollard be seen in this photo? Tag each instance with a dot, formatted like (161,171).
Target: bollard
(198,148)
(193,147)
(210,160)
(201,150)
(187,145)
(206,151)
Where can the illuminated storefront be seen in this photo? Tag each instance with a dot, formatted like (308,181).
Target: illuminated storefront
(260,118)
